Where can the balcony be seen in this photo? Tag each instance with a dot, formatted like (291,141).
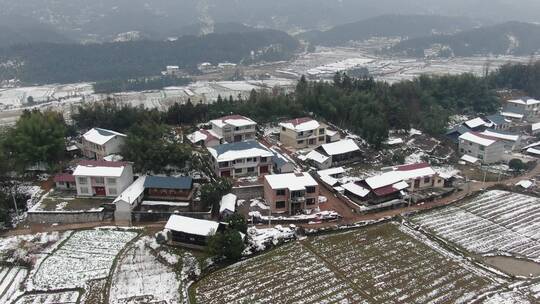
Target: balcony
(298,199)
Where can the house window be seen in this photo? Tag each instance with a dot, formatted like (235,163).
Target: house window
(427,180)
(480,156)
(111,181)
(482,148)
(310,201)
(99,180)
(470,144)
(280,205)
(321,131)
(239,161)
(300,142)
(84,190)
(251,169)
(280,192)
(283,129)
(112,191)
(301,133)
(263,159)
(82,180)
(310,189)
(223,164)
(322,138)
(61,183)
(238,171)
(250,159)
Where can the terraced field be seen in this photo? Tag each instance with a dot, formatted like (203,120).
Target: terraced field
(496,222)
(378,264)
(11,278)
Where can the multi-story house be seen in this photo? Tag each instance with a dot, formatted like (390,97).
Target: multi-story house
(529,108)
(301,133)
(206,138)
(234,128)
(98,143)
(486,149)
(291,193)
(102,178)
(241,159)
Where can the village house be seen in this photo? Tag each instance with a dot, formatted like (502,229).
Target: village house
(418,176)
(281,163)
(65,181)
(335,154)
(476,124)
(526,108)
(499,122)
(486,149)
(98,143)
(241,159)
(387,187)
(191,232)
(129,199)
(331,176)
(167,188)
(332,136)
(205,138)
(291,193)
(234,128)
(535,128)
(102,178)
(511,141)
(301,133)
(454,133)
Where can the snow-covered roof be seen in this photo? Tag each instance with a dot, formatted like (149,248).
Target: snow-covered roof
(533,151)
(536,144)
(356,189)
(113,158)
(394,141)
(414,171)
(331,171)
(301,124)
(330,132)
(525,101)
(400,185)
(233,120)
(228,202)
(100,136)
(291,181)
(134,191)
(526,184)
(535,126)
(191,225)
(501,135)
(470,159)
(383,180)
(203,135)
(512,115)
(100,168)
(232,151)
(475,123)
(316,156)
(329,180)
(340,147)
(478,138)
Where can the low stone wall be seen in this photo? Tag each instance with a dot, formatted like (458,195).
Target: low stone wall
(141,216)
(37,217)
(248,192)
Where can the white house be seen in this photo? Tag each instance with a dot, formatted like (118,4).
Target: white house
(529,108)
(300,133)
(189,231)
(130,198)
(227,205)
(511,141)
(234,128)
(486,148)
(98,143)
(102,178)
(248,158)
(207,138)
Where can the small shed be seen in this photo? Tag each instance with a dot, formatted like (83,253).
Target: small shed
(227,205)
(65,181)
(191,232)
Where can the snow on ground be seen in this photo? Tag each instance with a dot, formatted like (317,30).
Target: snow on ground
(141,278)
(11,278)
(67,297)
(494,222)
(30,248)
(86,255)
(260,238)
(358,266)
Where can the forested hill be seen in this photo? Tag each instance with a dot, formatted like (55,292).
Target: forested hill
(21,31)
(61,63)
(512,38)
(389,26)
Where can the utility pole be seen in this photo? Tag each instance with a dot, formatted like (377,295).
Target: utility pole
(15,203)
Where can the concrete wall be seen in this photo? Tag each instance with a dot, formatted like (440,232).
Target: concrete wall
(247,193)
(491,154)
(65,217)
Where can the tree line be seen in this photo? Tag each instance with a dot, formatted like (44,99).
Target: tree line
(138,84)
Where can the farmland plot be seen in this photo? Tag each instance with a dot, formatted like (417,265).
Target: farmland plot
(67,297)
(379,264)
(11,279)
(86,255)
(141,278)
(496,222)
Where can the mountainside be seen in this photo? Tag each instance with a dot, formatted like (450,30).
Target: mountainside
(389,26)
(15,30)
(102,20)
(510,38)
(68,63)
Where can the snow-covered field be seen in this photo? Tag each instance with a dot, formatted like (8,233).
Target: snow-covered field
(141,278)
(10,280)
(496,222)
(378,264)
(18,97)
(86,255)
(67,297)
